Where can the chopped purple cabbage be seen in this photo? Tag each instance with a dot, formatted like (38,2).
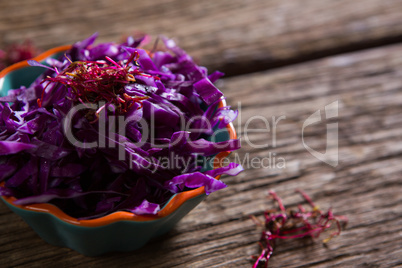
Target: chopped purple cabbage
(128,140)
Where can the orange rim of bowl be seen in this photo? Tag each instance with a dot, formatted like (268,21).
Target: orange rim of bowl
(174,203)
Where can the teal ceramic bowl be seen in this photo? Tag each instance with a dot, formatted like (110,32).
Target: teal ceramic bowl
(119,231)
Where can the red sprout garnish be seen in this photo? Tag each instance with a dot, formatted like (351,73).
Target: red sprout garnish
(94,81)
(291,224)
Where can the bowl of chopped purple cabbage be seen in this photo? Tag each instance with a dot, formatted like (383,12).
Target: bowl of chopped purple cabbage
(105,146)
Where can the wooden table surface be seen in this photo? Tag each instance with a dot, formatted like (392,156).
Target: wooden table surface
(283,60)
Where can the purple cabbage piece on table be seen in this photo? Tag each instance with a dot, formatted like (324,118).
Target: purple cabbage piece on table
(127,163)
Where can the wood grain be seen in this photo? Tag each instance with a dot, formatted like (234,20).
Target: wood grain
(365,186)
(234,36)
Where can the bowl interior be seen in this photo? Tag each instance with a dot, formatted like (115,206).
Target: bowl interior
(21,74)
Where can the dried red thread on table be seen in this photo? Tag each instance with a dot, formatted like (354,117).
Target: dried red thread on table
(17,52)
(291,224)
